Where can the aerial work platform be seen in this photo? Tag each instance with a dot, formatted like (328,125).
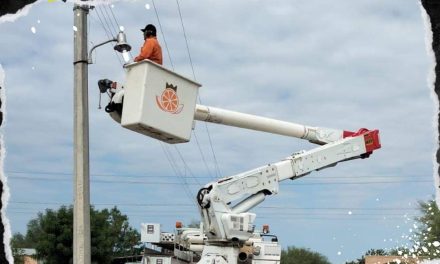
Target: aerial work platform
(158,102)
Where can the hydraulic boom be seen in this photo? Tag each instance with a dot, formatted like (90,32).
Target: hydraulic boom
(161,104)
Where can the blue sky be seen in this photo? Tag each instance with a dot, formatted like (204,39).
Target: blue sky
(347,65)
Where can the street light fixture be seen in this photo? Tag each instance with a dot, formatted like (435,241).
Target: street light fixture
(121,45)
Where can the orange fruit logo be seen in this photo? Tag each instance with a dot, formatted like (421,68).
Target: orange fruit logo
(169,101)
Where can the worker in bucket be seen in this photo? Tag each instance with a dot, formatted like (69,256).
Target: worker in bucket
(151,49)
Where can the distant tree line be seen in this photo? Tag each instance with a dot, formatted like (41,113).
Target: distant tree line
(425,243)
(51,235)
(294,255)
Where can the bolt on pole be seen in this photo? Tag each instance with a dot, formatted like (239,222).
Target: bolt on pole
(81,213)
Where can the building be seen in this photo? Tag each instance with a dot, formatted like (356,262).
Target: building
(391,259)
(28,255)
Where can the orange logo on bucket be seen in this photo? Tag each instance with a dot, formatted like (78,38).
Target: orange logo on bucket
(169,101)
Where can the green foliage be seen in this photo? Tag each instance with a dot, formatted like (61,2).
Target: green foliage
(51,234)
(428,234)
(294,255)
(400,251)
(18,242)
(194,224)
(376,252)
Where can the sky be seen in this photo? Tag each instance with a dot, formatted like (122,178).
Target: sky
(348,65)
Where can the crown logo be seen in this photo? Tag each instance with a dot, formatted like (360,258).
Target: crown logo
(171,86)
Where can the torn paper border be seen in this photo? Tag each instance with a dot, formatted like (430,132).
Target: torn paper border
(431,83)
(5,190)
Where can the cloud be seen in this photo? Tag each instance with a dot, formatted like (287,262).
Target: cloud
(345,66)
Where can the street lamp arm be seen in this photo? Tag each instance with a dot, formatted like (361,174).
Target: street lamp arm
(89,59)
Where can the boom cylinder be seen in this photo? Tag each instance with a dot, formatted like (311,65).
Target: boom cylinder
(249,203)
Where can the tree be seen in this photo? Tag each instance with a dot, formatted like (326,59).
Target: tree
(18,242)
(428,234)
(194,224)
(426,241)
(294,255)
(51,234)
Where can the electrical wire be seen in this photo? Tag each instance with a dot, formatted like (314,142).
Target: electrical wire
(187,167)
(163,35)
(172,162)
(115,27)
(217,169)
(206,177)
(285,218)
(284,213)
(190,205)
(186,40)
(106,17)
(114,17)
(169,156)
(117,23)
(203,156)
(165,148)
(106,20)
(157,209)
(107,33)
(289,215)
(198,183)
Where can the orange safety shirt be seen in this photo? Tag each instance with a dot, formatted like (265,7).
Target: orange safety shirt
(151,50)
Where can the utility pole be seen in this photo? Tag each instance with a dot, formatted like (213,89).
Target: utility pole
(81,211)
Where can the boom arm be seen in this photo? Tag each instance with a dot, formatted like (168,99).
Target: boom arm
(224,221)
(231,118)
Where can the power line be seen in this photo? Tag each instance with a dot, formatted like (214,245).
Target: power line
(165,148)
(289,218)
(285,213)
(106,30)
(188,204)
(186,40)
(115,27)
(312,177)
(117,24)
(114,17)
(107,33)
(203,157)
(174,212)
(102,204)
(217,169)
(106,20)
(163,35)
(173,164)
(186,166)
(198,183)
(216,166)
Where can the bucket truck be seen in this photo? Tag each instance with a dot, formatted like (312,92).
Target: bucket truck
(159,103)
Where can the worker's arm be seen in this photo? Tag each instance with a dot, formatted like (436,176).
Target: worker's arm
(146,51)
